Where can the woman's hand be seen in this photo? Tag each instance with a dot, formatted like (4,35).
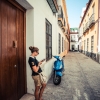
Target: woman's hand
(39,63)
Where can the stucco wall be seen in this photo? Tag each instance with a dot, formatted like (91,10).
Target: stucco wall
(93,31)
(36,36)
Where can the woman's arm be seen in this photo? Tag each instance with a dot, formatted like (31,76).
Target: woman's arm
(36,68)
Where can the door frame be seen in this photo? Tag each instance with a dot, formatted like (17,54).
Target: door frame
(17,5)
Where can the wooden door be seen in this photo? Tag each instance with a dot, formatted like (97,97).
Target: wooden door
(12,56)
(21,53)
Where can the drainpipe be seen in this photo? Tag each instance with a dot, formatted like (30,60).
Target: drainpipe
(98,35)
(69,40)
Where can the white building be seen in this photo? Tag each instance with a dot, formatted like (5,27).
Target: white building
(74,44)
(47,29)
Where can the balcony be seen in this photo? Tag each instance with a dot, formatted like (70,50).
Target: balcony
(66,34)
(87,27)
(53,5)
(91,21)
(60,17)
(83,30)
(64,28)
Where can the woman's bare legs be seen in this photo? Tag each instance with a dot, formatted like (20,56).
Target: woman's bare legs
(41,91)
(36,93)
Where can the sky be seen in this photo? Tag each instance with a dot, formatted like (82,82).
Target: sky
(74,10)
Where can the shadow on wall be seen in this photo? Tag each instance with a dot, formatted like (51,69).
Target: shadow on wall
(92,28)
(93,56)
(47,68)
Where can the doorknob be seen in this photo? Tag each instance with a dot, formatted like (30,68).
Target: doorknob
(14,44)
(15,66)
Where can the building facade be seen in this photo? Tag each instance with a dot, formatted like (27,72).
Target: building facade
(89,30)
(74,44)
(24,23)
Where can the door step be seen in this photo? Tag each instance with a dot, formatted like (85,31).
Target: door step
(27,97)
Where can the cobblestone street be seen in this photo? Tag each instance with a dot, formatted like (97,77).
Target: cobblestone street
(81,80)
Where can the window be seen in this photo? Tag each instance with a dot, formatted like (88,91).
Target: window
(62,44)
(59,41)
(92,43)
(48,40)
(87,44)
(65,45)
(73,38)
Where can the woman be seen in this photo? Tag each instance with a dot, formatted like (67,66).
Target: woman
(35,67)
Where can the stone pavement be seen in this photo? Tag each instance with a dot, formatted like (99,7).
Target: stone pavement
(81,80)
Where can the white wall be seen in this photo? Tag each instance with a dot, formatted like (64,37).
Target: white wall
(41,12)
(80,35)
(74,37)
(36,36)
(59,2)
(36,15)
(62,35)
(75,44)
(80,44)
(29,42)
(80,31)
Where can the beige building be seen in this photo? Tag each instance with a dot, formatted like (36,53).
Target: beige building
(89,40)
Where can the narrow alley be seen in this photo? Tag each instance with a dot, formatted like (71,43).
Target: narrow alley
(81,80)
(32,32)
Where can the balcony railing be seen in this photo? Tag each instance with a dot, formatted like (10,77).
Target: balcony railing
(87,26)
(60,12)
(53,5)
(66,32)
(64,28)
(91,20)
(64,22)
(60,16)
(83,30)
